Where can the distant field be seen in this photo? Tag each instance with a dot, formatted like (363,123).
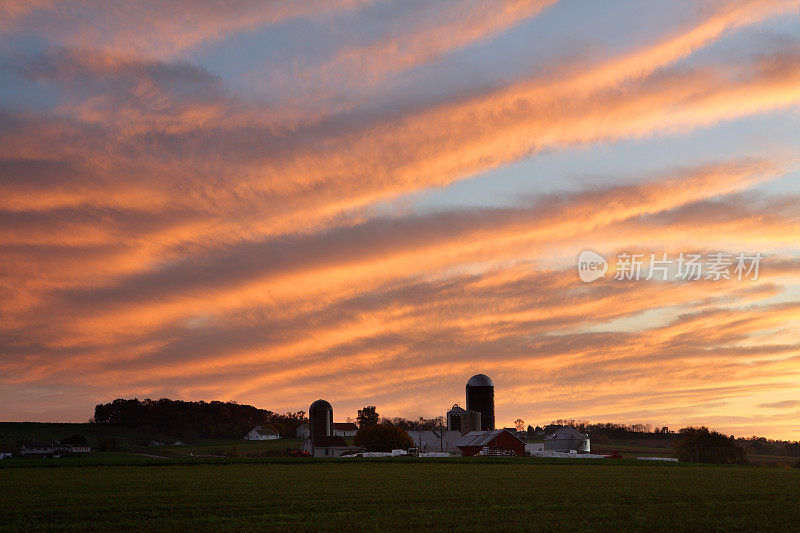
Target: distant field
(380,495)
(235,448)
(16,433)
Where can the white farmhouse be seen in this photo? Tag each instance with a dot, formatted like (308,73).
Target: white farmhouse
(261,433)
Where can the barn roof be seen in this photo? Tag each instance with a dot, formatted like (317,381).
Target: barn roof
(478,438)
(345,426)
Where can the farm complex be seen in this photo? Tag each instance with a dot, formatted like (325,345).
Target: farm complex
(469,432)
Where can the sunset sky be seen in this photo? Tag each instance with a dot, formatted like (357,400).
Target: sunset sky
(369,201)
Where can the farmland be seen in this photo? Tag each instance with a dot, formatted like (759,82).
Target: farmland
(397,494)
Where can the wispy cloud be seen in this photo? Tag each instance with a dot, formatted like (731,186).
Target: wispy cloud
(165,232)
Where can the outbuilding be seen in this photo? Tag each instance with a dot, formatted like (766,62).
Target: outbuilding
(435,441)
(329,446)
(495,442)
(566,438)
(344,429)
(261,433)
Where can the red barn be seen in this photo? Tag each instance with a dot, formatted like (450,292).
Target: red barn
(497,442)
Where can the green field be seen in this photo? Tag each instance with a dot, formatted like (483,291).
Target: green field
(399,495)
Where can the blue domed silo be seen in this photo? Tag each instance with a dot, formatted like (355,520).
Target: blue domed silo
(480,398)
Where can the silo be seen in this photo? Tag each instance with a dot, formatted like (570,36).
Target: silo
(454,418)
(320,419)
(480,398)
(470,421)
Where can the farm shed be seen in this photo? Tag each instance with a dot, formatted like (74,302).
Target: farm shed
(496,442)
(435,441)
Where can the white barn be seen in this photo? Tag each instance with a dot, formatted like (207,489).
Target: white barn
(566,438)
(303,431)
(261,433)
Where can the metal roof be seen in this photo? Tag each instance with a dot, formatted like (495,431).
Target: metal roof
(478,438)
(565,433)
(480,380)
(457,409)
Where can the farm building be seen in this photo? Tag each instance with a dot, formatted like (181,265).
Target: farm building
(435,441)
(534,447)
(345,429)
(5,454)
(322,442)
(329,446)
(566,438)
(463,421)
(496,442)
(47,450)
(261,433)
(80,448)
(303,431)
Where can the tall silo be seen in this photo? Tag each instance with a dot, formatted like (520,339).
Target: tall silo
(320,419)
(480,398)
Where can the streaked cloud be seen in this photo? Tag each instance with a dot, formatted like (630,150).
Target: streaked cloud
(164,230)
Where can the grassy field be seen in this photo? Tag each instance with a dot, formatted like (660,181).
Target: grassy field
(400,495)
(237,448)
(13,434)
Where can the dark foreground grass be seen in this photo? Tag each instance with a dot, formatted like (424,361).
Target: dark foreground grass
(400,496)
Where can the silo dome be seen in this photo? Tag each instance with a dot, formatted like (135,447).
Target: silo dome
(320,404)
(480,380)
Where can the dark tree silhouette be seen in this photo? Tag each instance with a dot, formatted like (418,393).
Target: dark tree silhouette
(699,445)
(179,418)
(367,416)
(382,438)
(75,440)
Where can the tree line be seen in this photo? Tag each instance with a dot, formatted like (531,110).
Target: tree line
(188,420)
